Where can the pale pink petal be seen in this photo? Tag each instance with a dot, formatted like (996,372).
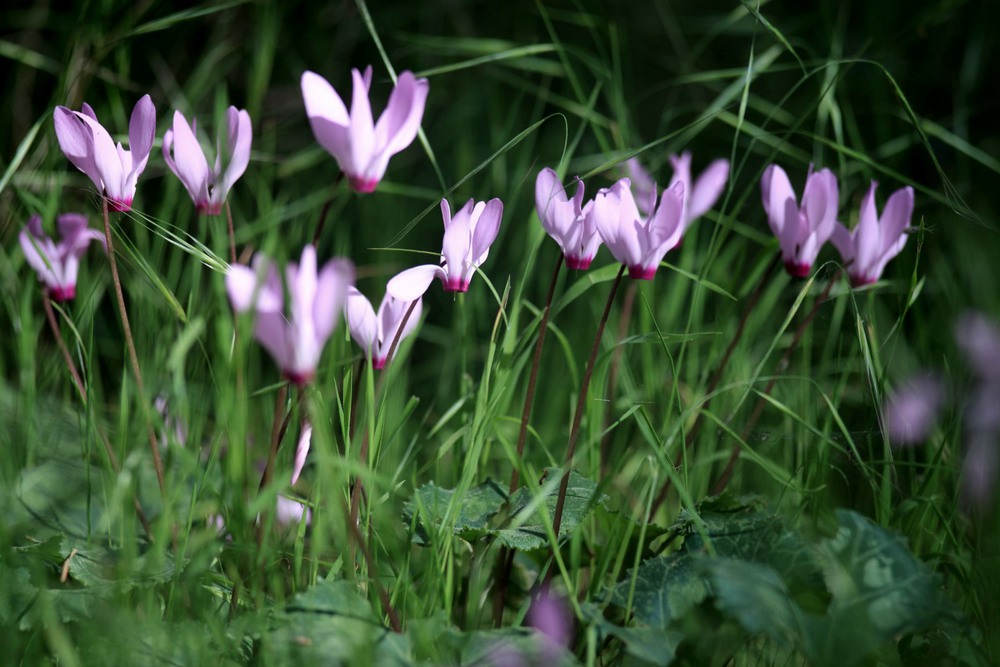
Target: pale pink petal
(487,228)
(819,202)
(188,159)
(867,240)
(911,411)
(896,217)
(707,189)
(141,132)
(412,283)
(398,125)
(241,285)
(332,285)
(361,320)
(238,139)
(75,141)
(362,128)
(843,242)
(776,191)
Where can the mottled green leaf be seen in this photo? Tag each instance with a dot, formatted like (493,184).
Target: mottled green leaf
(665,588)
(478,505)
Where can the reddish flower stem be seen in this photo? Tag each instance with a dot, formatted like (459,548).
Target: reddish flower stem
(713,383)
(363,453)
(81,389)
(383,595)
(505,560)
(326,209)
(133,357)
(581,404)
(232,233)
(727,473)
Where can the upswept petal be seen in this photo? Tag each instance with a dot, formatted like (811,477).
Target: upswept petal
(332,284)
(896,216)
(843,242)
(74,136)
(398,125)
(666,225)
(412,283)
(185,157)
(241,285)
(322,101)
(362,129)
(706,190)
(40,253)
(239,136)
(819,201)
(642,182)
(487,226)
(361,320)
(390,316)
(141,132)
(457,243)
(776,191)
(107,160)
(867,239)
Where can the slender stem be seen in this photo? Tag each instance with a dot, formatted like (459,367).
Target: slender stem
(616,359)
(77,380)
(133,357)
(278,427)
(363,454)
(81,389)
(383,595)
(529,397)
(581,404)
(713,383)
(232,233)
(505,559)
(727,473)
(326,209)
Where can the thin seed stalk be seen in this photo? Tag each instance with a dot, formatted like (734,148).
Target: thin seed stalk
(133,357)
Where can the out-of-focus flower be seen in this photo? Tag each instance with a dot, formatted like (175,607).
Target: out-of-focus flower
(90,148)
(643,185)
(549,615)
(467,240)
(302,450)
(979,339)
(801,231)
(867,248)
(173,428)
(317,299)
(208,187)
(362,147)
(566,220)
(288,511)
(375,332)
(57,263)
(912,411)
(700,196)
(639,243)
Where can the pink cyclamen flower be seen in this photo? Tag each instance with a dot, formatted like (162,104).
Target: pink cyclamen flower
(801,231)
(57,263)
(91,149)
(875,240)
(700,196)
(317,299)
(288,511)
(467,240)
(208,187)
(566,220)
(374,333)
(362,147)
(912,410)
(639,243)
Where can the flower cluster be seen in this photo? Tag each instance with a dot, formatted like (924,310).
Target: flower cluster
(803,228)
(57,263)
(636,225)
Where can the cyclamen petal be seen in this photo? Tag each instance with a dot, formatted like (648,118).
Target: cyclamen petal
(375,333)
(638,243)
(57,263)
(875,240)
(88,146)
(360,146)
(566,220)
(295,341)
(184,155)
(801,230)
